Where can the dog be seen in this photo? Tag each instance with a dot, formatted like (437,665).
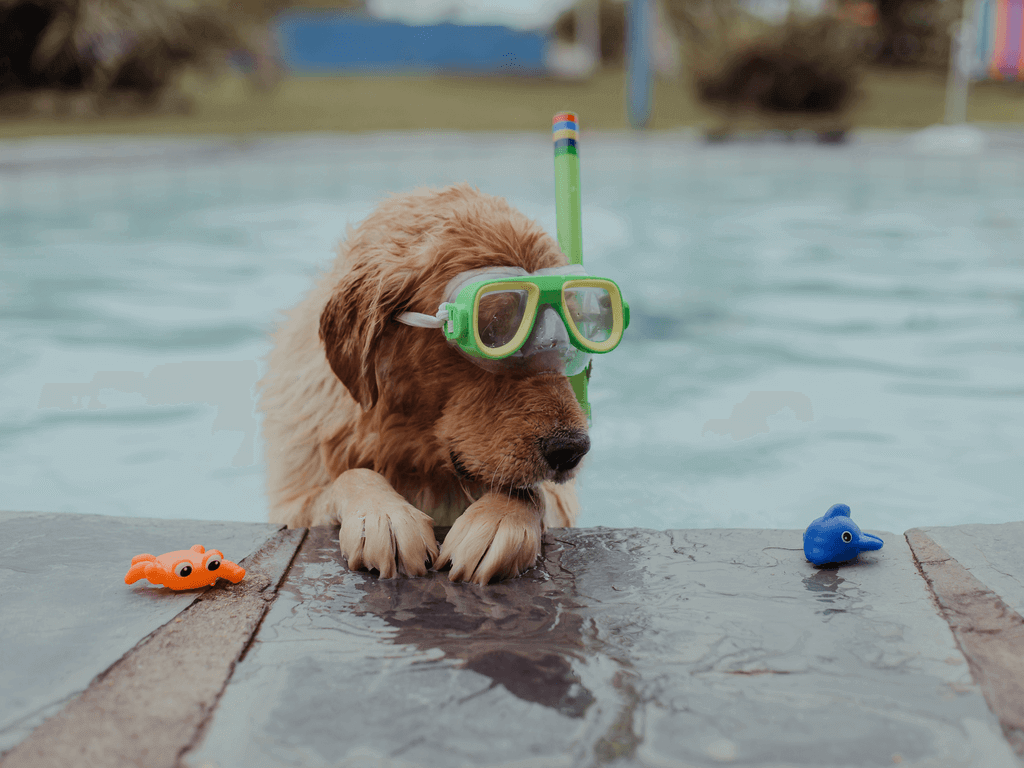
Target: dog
(387,430)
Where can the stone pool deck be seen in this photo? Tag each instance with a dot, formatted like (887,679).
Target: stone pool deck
(623,647)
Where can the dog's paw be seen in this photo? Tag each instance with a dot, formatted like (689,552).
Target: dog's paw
(496,537)
(388,536)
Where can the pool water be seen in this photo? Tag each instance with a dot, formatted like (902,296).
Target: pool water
(810,325)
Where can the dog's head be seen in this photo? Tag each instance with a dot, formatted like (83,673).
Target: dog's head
(506,430)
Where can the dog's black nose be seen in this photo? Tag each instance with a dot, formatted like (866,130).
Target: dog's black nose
(564,451)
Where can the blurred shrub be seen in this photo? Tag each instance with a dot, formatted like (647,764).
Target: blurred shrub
(889,32)
(262,10)
(108,45)
(807,65)
(128,53)
(914,32)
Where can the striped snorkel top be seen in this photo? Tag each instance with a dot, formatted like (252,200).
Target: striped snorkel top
(565,132)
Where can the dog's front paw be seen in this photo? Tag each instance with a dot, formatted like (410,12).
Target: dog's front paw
(379,530)
(496,537)
(388,536)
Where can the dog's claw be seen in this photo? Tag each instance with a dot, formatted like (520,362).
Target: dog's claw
(394,542)
(496,537)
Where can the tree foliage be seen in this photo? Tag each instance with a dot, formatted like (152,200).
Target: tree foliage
(105,45)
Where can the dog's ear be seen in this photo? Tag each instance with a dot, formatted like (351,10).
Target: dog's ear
(355,320)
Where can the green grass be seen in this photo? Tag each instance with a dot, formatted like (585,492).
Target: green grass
(230,105)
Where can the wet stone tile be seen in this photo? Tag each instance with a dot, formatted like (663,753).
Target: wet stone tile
(66,614)
(632,647)
(992,553)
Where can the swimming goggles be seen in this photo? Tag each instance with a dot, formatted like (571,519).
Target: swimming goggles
(551,319)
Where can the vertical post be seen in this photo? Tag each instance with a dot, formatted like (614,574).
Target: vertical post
(958,80)
(588,28)
(640,17)
(568,212)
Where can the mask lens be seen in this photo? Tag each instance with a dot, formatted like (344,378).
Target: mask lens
(499,316)
(591,312)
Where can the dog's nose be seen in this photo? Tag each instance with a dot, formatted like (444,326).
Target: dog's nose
(564,451)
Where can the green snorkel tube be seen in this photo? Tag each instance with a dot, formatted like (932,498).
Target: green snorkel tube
(566,134)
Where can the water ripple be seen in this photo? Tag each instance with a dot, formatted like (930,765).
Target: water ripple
(886,288)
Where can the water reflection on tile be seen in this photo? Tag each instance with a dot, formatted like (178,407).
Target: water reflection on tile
(682,648)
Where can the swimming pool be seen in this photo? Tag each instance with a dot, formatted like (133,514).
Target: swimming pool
(809,324)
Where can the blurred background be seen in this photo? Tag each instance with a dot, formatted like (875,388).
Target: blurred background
(245,66)
(814,207)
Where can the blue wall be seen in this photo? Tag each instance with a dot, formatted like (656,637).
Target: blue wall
(332,42)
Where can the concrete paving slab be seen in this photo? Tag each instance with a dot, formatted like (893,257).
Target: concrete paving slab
(149,707)
(67,613)
(994,554)
(989,632)
(634,647)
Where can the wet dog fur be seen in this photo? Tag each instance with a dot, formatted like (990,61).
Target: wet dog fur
(386,429)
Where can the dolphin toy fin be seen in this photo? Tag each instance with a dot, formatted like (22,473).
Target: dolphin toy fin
(836,510)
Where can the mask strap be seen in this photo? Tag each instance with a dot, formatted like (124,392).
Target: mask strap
(421,320)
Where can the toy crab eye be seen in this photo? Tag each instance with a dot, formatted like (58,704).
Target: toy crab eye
(183,569)
(847,537)
(213,564)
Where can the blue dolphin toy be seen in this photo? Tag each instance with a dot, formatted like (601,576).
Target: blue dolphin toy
(835,538)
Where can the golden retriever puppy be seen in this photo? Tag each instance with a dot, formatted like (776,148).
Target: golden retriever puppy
(386,429)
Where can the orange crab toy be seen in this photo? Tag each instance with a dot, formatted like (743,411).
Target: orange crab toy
(184,568)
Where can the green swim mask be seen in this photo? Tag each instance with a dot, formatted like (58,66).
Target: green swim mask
(550,320)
